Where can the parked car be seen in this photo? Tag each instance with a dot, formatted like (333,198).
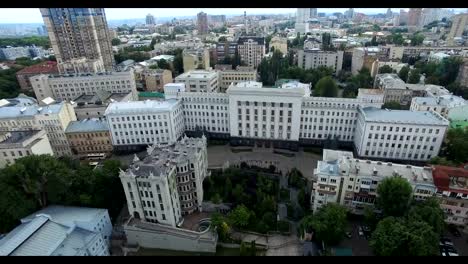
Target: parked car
(349,235)
(360,231)
(454,230)
(445,241)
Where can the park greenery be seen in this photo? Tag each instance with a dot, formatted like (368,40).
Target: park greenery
(42,41)
(328,223)
(253,193)
(386,69)
(9,86)
(440,73)
(36,181)
(326,87)
(409,227)
(352,83)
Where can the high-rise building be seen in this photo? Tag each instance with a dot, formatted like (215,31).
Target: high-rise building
(414,16)
(303,16)
(459,23)
(403,17)
(389,13)
(350,13)
(202,23)
(79,35)
(150,19)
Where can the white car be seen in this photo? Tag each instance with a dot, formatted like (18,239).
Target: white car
(361,233)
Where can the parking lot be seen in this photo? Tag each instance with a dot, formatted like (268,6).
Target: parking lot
(358,244)
(460,243)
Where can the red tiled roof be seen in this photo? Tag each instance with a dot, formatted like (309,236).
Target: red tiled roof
(441,175)
(45,67)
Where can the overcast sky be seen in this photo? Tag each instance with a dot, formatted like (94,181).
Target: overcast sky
(32,15)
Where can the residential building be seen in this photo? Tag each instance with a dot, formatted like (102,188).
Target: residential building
(53,118)
(199,81)
(251,50)
(80,39)
(414,17)
(312,43)
(459,24)
(452,192)
(94,106)
(403,17)
(280,44)
(303,15)
(150,19)
(18,144)
(370,95)
(399,134)
(440,104)
(168,183)
(12,53)
(69,87)
(364,57)
(312,59)
(89,138)
(196,59)
(60,231)
(240,74)
(225,49)
(47,67)
(202,23)
(341,178)
(133,125)
(155,80)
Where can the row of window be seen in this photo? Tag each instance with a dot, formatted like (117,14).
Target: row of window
(403,129)
(405,146)
(401,137)
(403,155)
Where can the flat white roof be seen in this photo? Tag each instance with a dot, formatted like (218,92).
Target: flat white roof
(147,106)
(197,74)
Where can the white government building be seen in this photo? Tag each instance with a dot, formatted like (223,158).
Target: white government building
(284,117)
(168,183)
(199,81)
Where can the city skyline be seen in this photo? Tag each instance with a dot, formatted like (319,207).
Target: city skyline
(33,15)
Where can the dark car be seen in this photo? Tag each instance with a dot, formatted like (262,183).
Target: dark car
(454,230)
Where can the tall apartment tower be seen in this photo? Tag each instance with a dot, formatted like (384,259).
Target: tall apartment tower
(202,23)
(150,19)
(459,23)
(414,16)
(80,39)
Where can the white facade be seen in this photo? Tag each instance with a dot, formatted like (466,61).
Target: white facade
(171,90)
(54,119)
(207,112)
(168,183)
(312,59)
(18,144)
(341,178)
(199,81)
(145,122)
(363,57)
(399,134)
(66,87)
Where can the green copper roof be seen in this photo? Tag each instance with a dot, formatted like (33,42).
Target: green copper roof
(151,95)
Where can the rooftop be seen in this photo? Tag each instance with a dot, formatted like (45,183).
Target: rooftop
(47,67)
(197,74)
(16,137)
(162,156)
(9,112)
(342,163)
(147,106)
(370,91)
(165,57)
(373,114)
(444,100)
(100,97)
(151,95)
(87,125)
(451,178)
(260,40)
(69,215)
(20,100)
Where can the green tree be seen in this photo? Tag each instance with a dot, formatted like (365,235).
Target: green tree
(328,223)
(115,42)
(385,69)
(394,195)
(457,145)
(326,87)
(442,161)
(394,105)
(222,39)
(389,237)
(221,224)
(428,211)
(163,64)
(414,76)
(178,62)
(417,39)
(403,73)
(370,218)
(240,216)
